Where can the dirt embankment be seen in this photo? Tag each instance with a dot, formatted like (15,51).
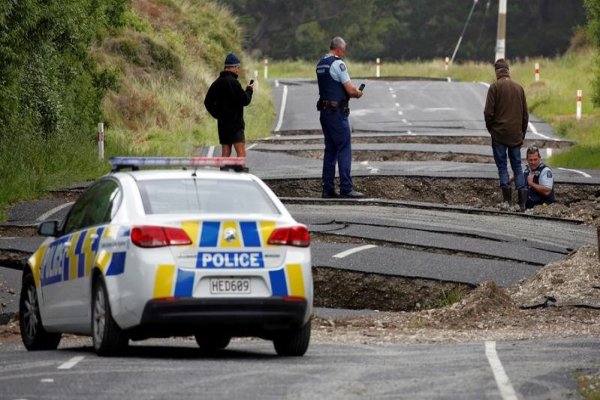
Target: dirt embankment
(581,202)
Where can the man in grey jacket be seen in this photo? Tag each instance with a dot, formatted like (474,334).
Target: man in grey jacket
(506,119)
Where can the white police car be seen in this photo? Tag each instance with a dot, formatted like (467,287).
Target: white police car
(159,253)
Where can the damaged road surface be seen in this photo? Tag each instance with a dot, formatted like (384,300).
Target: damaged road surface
(429,259)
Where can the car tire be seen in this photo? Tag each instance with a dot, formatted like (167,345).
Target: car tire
(33,334)
(108,338)
(293,343)
(212,342)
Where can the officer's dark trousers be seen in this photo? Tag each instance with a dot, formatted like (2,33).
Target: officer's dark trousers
(336,130)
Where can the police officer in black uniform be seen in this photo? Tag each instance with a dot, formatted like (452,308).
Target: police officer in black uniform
(335,89)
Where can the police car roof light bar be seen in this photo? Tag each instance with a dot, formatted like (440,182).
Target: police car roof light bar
(119,163)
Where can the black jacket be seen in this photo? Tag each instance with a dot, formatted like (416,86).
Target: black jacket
(225,101)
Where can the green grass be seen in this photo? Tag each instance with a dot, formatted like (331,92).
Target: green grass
(446,298)
(163,61)
(589,386)
(552,98)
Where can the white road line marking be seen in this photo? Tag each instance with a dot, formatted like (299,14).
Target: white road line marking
(506,390)
(400,113)
(211,151)
(394,96)
(252,146)
(439,109)
(404,120)
(353,250)
(71,363)
(47,380)
(397,104)
(577,172)
(535,132)
(47,214)
(282,109)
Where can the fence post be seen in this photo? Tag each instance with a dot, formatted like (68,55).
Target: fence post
(266,75)
(579,101)
(446,61)
(256,79)
(537,72)
(378,67)
(598,243)
(100,137)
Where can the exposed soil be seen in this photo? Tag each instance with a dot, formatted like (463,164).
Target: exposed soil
(560,300)
(522,311)
(387,138)
(336,288)
(580,202)
(387,155)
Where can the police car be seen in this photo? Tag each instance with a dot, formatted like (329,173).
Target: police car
(162,252)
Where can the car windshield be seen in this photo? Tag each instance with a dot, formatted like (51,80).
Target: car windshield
(206,196)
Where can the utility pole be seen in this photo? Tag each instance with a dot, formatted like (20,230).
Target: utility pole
(501,37)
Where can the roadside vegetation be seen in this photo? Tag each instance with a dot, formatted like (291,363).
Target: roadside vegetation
(140,66)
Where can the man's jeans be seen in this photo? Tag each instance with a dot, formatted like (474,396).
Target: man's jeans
(514,154)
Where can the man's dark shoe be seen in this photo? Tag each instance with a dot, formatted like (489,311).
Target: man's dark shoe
(329,195)
(353,195)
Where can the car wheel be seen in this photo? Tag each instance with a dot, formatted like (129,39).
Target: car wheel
(33,334)
(212,342)
(293,343)
(108,338)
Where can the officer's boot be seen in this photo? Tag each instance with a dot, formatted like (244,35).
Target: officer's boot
(523,199)
(507,195)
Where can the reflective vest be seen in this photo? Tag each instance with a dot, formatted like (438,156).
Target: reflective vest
(329,89)
(535,196)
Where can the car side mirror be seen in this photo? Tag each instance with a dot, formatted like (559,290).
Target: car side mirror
(48,228)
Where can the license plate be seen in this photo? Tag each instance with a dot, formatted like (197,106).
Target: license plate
(230,286)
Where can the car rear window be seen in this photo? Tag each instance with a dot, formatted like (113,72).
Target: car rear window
(206,196)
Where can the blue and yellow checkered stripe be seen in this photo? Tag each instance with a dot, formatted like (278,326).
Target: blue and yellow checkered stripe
(79,258)
(210,233)
(171,281)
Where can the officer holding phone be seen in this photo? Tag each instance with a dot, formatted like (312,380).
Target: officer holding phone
(335,90)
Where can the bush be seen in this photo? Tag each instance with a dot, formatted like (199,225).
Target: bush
(50,90)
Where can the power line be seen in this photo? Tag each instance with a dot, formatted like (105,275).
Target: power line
(463,31)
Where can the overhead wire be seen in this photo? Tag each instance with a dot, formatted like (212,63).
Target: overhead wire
(463,31)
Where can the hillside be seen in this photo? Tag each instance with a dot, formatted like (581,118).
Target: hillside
(165,59)
(140,66)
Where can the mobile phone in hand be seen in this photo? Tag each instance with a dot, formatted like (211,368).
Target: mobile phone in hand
(361,87)
(251,81)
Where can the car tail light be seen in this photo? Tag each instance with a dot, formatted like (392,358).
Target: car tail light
(158,236)
(297,236)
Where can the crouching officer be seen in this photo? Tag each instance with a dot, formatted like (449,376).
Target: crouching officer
(335,89)
(540,183)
